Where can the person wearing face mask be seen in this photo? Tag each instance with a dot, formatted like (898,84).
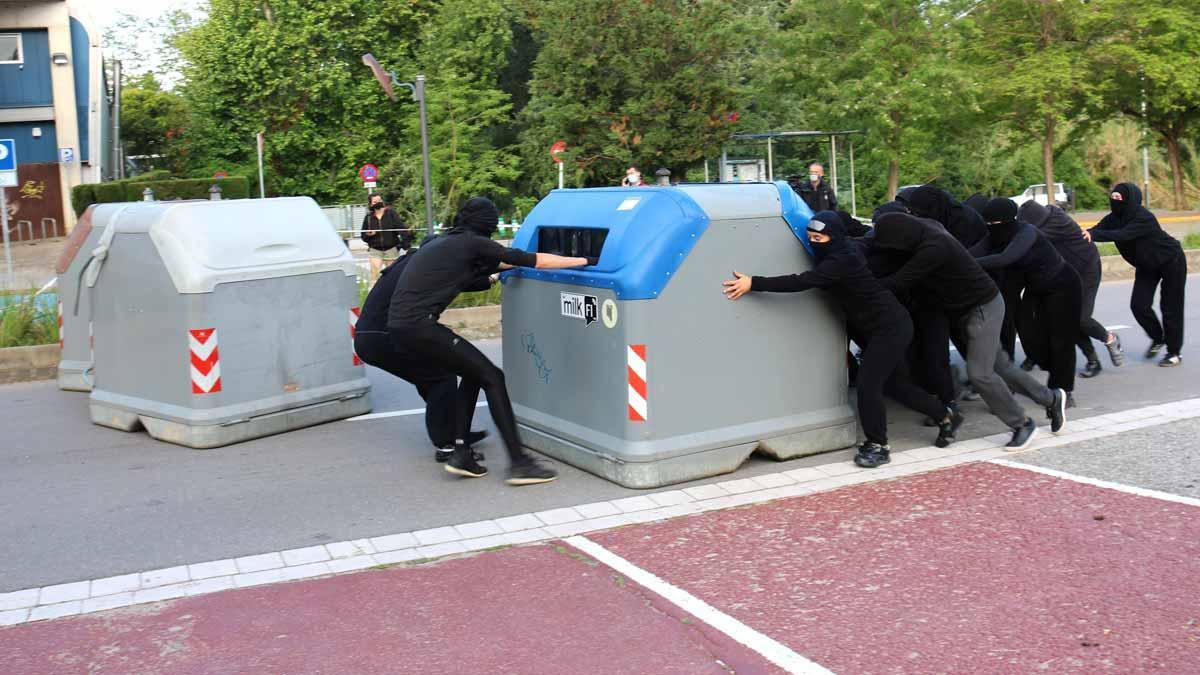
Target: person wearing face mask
(1048,321)
(383,232)
(1157,258)
(946,277)
(633,178)
(441,270)
(875,316)
(815,191)
(1082,256)
(961,221)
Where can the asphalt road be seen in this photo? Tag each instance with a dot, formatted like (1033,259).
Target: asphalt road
(81,501)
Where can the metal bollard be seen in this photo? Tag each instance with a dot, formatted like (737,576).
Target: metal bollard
(147,195)
(214,193)
(662,177)
(28,223)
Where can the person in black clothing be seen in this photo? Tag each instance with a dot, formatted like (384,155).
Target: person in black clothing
(1048,321)
(1157,257)
(444,268)
(875,316)
(383,231)
(815,191)
(941,273)
(1080,254)
(976,202)
(854,226)
(961,221)
(436,386)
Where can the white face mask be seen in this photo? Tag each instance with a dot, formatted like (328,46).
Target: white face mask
(635,178)
(813,177)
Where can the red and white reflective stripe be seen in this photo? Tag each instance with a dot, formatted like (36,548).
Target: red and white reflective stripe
(60,335)
(206,364)
(354,311)
(91,343)
(636,365)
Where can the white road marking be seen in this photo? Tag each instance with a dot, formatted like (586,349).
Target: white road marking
(399,413)
(775,652)
(1096,482)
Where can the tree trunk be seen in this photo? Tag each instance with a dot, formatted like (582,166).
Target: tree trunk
(1048,159)
(893,179)
(1176,171)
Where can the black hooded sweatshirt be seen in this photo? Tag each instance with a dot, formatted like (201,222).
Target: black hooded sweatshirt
(842,270)
(374,314)
(939,271)
(1012,246)
(1136,232)
(1067,237)
(962,222)
(452,263)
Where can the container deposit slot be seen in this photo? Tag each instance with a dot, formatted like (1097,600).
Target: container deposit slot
(576,242)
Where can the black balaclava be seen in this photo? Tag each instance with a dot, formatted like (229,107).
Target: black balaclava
(902,231)
(828,223)
(889,207)
(976,201)
(930,202)
(1000,214)
(1125,208)
(479,215)
(1033,213)
(854,227)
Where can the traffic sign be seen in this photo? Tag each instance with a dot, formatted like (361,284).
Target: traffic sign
(557,149)
(8,154)
(368,173)
(220,174)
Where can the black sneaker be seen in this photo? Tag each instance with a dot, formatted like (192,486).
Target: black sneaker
(1057,411)
(1170,361)
(1115,352)
(1155,348)
(530,472)
(1028,364)
(443,453)
(948,428)
(1022,436)
(1092,368)
(871,455)
(463,463)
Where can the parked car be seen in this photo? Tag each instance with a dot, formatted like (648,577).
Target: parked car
(1062,197)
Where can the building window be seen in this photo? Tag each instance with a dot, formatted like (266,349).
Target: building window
(10,48)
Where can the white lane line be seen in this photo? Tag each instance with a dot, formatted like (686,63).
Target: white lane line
(398,413)
(1120,487)
(775,652)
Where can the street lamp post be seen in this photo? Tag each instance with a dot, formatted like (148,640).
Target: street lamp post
(387,79)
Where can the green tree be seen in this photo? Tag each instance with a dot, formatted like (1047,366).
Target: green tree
(153,122)
(882,66)
(294,69)
(464,54)
(646,82)
(1035,56)
(1152,56)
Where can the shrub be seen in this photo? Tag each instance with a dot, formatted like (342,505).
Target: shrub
(25,323)
(107,193)
(82,196)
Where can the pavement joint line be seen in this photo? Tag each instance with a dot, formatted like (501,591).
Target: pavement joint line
(1097,482)
(770,649)
(81,597)
(397,413)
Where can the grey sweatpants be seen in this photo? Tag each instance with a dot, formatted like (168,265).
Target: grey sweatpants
(990,369)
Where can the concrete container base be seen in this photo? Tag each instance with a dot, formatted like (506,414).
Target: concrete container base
(74,376)
(217,435)
(692,466)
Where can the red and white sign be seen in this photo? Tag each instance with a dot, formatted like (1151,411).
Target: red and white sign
(557,149)
(206,363)
(220,174)
(636,365)
(354,311)
(368,172)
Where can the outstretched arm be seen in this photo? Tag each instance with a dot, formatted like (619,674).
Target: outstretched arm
(1016,249)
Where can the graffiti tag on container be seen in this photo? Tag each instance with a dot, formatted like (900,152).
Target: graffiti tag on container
(529,342)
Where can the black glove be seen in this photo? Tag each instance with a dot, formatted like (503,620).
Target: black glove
(592,262)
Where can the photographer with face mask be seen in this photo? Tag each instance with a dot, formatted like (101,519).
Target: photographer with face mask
(383,231)
(815,191)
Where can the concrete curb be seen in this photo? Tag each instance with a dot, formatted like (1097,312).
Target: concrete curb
(25,364)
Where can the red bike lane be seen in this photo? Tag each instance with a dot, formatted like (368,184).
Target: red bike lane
(979,568)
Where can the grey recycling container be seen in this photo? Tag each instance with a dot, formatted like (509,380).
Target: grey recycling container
(74,300)
(639,369)
(221,321)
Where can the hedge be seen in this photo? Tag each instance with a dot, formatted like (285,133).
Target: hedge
(130,190)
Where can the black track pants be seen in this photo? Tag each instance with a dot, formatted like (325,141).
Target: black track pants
(881,356)
(436,386)
(444,349)
(1090,328)
(1049,328)
(1173,277)
(931,353)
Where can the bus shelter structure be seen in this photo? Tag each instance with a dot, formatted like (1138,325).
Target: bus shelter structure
(770,139)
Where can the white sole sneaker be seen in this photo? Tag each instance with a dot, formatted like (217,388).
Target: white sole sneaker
(1026,444)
